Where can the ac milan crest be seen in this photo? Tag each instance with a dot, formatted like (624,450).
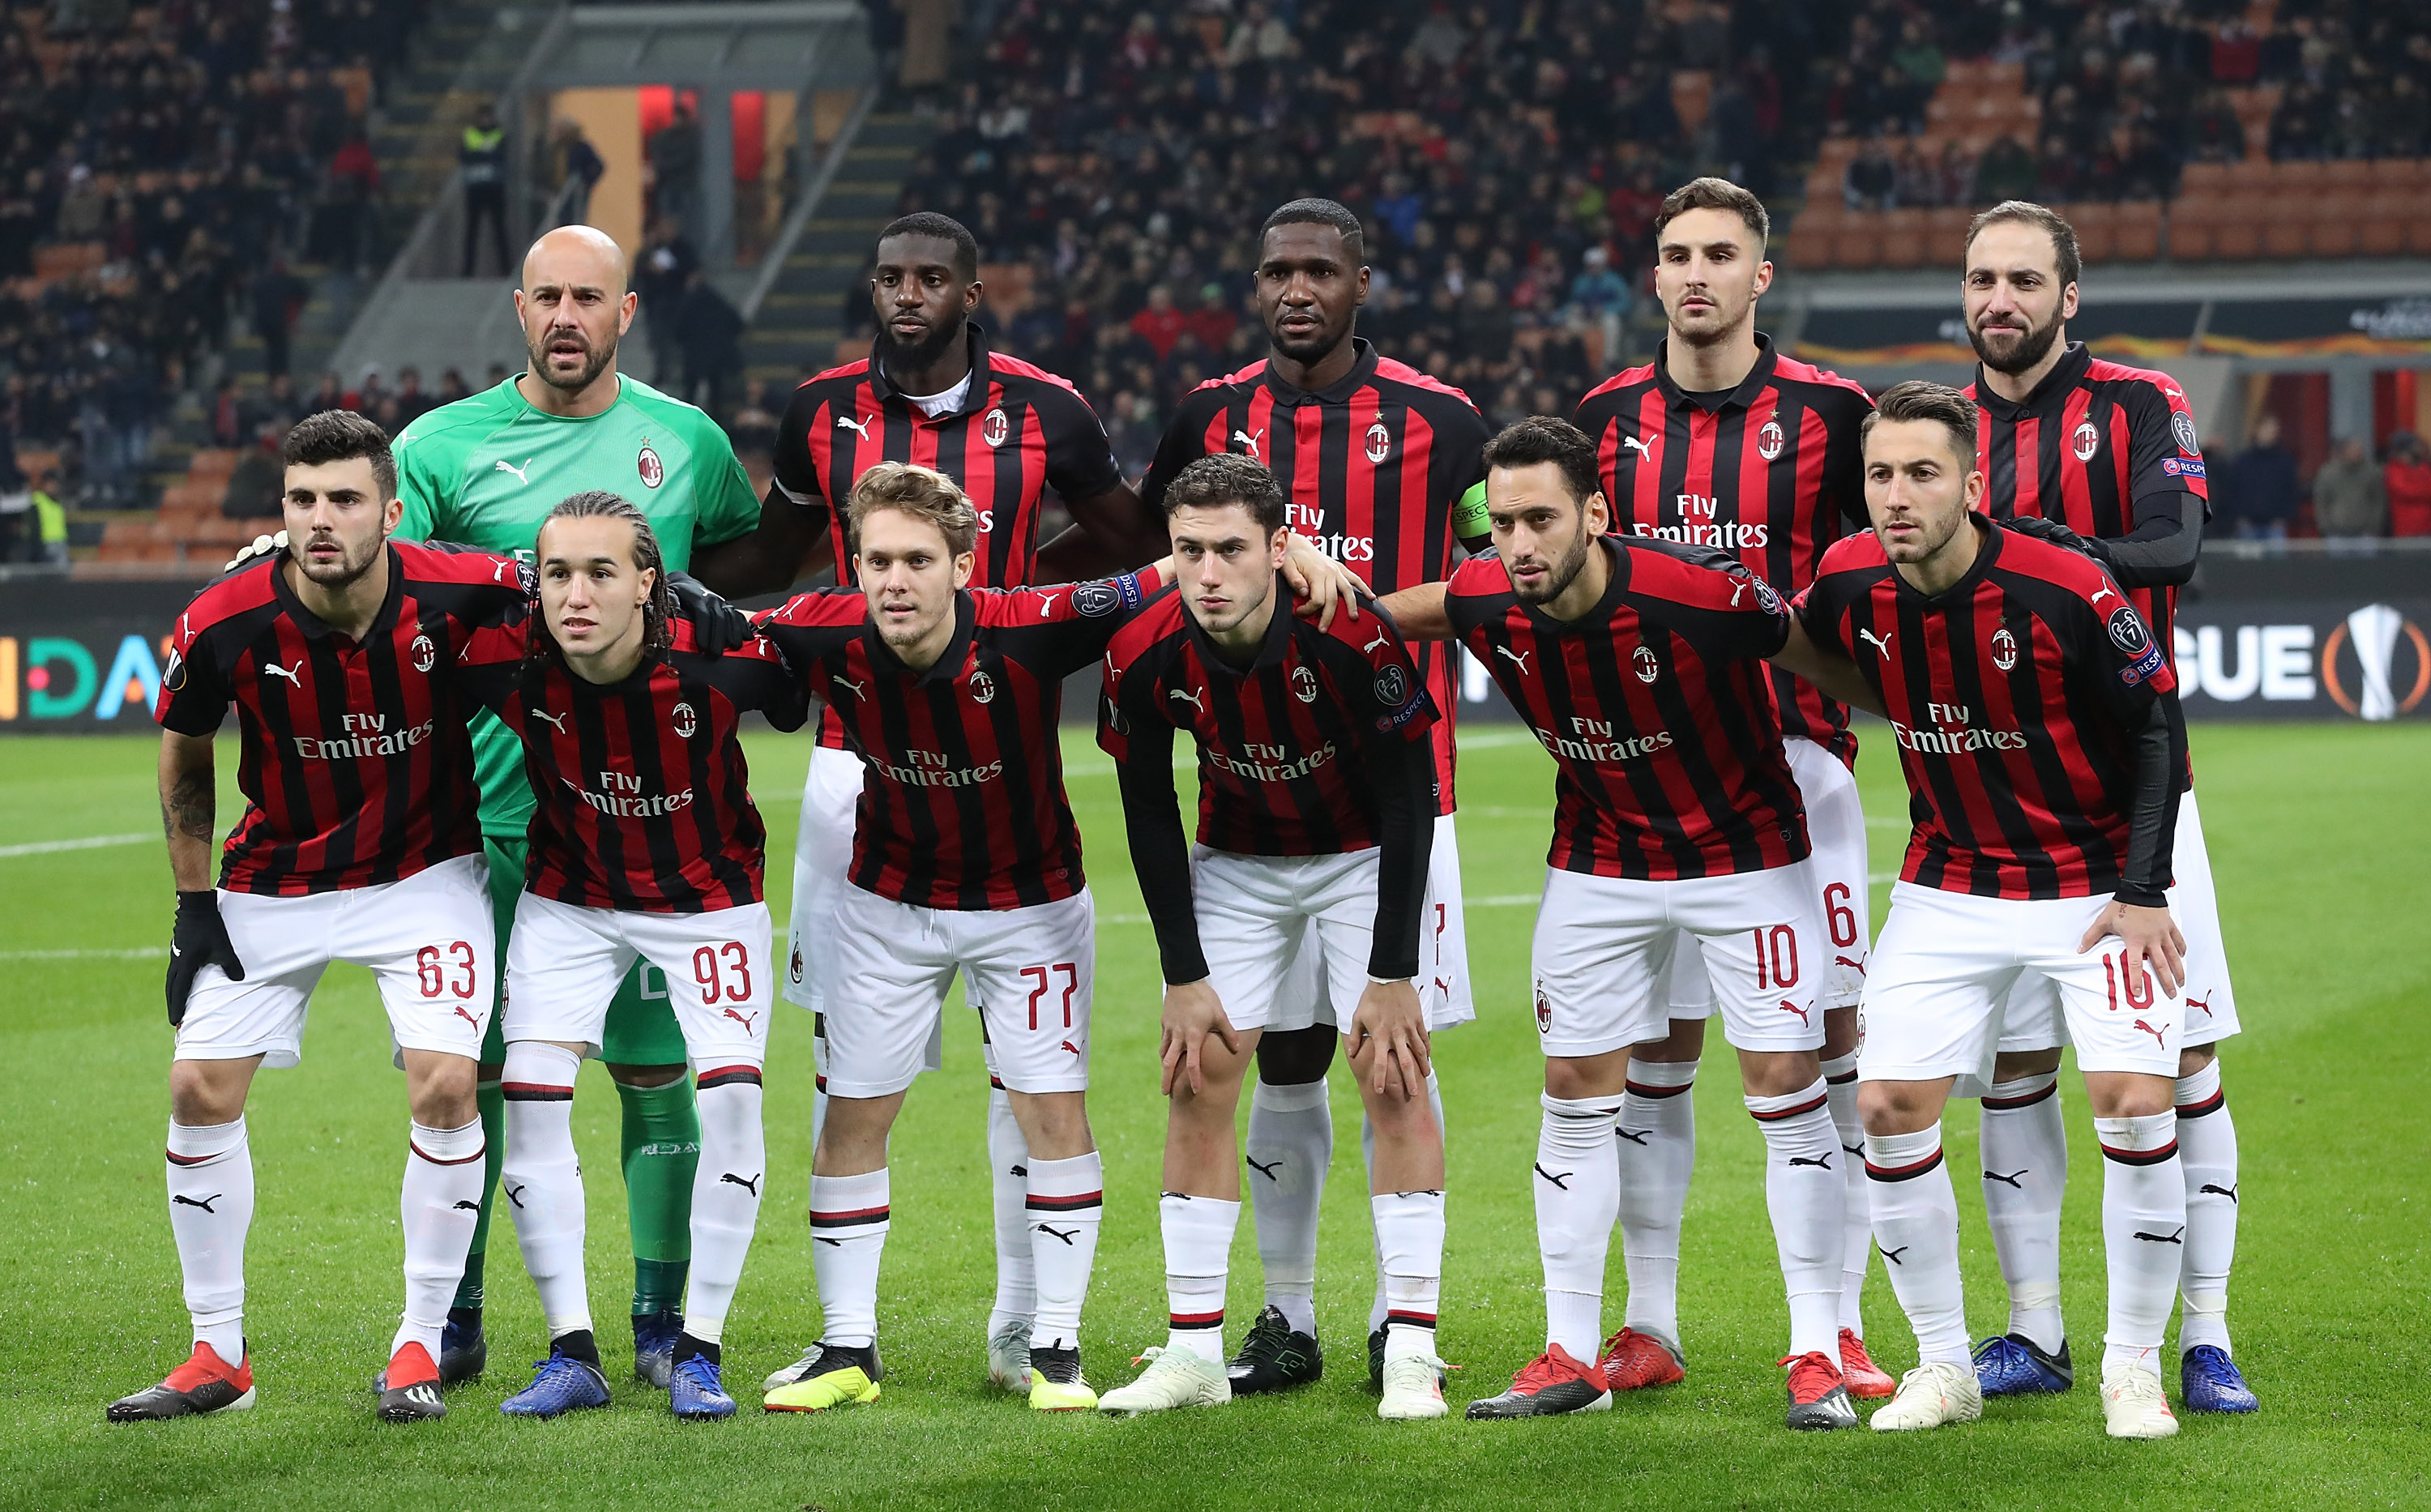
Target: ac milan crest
(1303,684)
(996,428)
(654,472)
(424,653)
(1380,442)
(1644,661)
(683,721)
(982,687)
(2005,649)
(2085,442)
(1770,440)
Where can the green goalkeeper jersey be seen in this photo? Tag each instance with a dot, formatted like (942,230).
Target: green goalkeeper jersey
(485,471)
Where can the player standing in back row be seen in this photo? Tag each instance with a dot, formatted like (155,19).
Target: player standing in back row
(485,471)
(933,392)
(1723,442)
(2111,452)
(1380,466)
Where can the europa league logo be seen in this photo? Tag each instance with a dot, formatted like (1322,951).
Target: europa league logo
(2376,631)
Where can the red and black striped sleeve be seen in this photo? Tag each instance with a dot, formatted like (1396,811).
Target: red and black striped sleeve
(1709,598)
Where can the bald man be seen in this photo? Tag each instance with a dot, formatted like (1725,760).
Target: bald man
(483,472)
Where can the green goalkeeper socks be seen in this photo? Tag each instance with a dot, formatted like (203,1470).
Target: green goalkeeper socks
(661,1148)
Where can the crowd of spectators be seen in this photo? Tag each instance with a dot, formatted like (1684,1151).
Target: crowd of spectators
(158,169)
(1507,158)
(2130,94)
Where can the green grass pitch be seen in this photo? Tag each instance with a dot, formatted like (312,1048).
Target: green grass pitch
(2319,835)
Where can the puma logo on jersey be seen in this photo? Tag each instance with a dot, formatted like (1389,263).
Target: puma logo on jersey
(744,1019)
(1249,441)
(294,677)
(556,722)
(1382,637)
(1518,659)
(2203,1004)
(1788,1007)
(858,691)
(2155,1033)
(1882,643)
(1046,603)
(1737,588)
(858,427)
(1069,1047)
(1642,447)
(511,467)
(1858,966)
(2100,593)
(1186,695)
(468,1018)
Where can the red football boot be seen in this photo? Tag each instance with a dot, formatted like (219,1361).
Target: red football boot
(1865,1379)
(204,1383)
(1630,1360)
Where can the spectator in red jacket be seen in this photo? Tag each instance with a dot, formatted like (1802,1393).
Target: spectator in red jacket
(1160,324)
(2407,476)
(1212,321)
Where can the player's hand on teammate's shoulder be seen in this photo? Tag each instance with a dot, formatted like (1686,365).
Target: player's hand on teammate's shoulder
(2057,534)
(1388,1038)
(2152,939)
(716,625)
(263,546)
(1193,1016)
(1321,585)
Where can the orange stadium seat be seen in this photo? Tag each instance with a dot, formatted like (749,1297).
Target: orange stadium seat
(2332,225)
(2236,235)
(1945,236)
(2096,226)
(1811,236)
(1902,233)
(1858,244)
(2137,237)
(2203,178)
(2191,219)
(2381,232)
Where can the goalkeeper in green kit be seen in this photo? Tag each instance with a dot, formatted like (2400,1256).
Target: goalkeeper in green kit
(483,472)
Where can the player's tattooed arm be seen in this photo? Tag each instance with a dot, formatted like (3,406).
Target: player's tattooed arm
(1420,613)
(1835,674)
(189,796)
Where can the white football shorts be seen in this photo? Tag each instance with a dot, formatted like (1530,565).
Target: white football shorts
(1603,944)
(1947,962)
(428,938)
(1836,827)
(822,862)
(1031,970)
(2032,1019)
(1302,999)
(563,964)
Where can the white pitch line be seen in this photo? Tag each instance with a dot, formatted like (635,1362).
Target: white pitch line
(44,848)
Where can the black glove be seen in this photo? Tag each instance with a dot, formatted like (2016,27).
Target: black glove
(2058,535)
(199,940)
(718,625)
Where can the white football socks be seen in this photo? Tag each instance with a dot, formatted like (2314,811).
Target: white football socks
(725,1194)
(1409,1242)
(1807,1197)
(1578,1197)
(1065,1204)
(1916,1226)
(1017,1269)
(2143,1234)
(439,1203)
(2025,1175)
(2207,1151)
(541,1181)
(1857,1229)
(1197,1254)
(1382,1305)
(210,1208)
(849,1221)
(1288,1147)
(1655,1142)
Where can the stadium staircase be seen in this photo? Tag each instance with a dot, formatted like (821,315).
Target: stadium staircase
(798,321)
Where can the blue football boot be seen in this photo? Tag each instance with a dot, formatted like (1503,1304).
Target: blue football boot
(654,1345)
(562,1386)
(2208,1381)
(694,1391)
(2011,1366)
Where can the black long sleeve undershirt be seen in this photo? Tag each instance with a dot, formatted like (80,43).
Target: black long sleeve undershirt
(2160,553)
(1160,849)
(2153,813)
(1404,774)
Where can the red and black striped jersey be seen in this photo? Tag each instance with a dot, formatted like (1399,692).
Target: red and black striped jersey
(356,767)
(642,798)
(1656,707)
(962,799)
(1374,466)
(1283,742)
(1018,431)
(1772,473)
(2014,700)
(2093,447)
